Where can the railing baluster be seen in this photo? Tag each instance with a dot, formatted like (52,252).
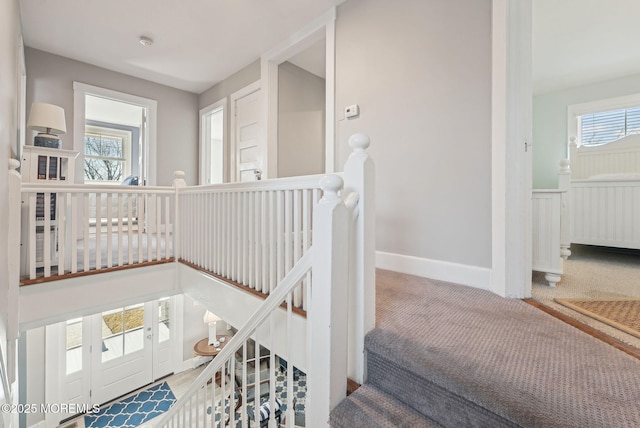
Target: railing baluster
(244,237)
(98,231)
(120,209)
(109,230)
(297,212)
(61,216)
(140,225)
(263,248)
(257,240)
(86,238)
(46,250)
(73,219)
(280,236)
(273,217)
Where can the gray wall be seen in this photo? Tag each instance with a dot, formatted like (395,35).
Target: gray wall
(421,72)
(50,79)
(550,138)
(301,121)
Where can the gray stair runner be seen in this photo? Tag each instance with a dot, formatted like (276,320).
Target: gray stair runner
(464,357)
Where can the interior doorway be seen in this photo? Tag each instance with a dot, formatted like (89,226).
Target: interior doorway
(115,134)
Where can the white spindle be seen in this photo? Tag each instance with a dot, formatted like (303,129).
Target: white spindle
(158,236)
(244,237)
(280,253)
(296,241)
(168,228)
(109,230)
(74,232)
(150,219)
(120,231)
(32,235)
(86,237)
(262,249)
(46,251)
(61,216)
(98,231)
(273,218)
(139,224)
(257,240)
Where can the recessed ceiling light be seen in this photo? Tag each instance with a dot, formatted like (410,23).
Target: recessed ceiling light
(146,41)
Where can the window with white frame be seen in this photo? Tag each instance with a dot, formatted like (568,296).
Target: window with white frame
(607,126)
(605,120)
(107,154)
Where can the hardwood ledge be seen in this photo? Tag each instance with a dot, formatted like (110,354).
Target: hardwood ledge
(27,281)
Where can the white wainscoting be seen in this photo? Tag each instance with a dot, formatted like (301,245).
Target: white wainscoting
(473,276)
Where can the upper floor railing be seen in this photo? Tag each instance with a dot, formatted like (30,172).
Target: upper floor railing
(317,240)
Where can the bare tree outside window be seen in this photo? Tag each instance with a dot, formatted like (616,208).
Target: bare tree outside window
(104,158)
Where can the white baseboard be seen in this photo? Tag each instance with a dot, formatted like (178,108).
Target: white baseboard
(473,276)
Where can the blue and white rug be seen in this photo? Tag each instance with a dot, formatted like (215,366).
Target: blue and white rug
(133,411)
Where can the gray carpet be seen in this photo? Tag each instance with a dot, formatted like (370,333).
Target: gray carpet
(466,357)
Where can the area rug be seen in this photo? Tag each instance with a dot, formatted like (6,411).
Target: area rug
(134,410)
(621,314)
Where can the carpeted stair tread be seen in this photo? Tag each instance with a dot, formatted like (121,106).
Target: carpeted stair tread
(369,407)
(489,357)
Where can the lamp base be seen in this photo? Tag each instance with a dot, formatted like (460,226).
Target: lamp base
(47,140)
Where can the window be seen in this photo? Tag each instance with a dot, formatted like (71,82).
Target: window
(607,126)
(107,154)
(164,332)
(74,345)
(212,146)
(122,331)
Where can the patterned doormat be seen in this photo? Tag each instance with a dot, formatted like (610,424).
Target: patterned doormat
(621,314)
(135,410)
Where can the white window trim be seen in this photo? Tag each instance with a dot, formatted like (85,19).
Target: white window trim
(606,104)
(80,90)
(204,148)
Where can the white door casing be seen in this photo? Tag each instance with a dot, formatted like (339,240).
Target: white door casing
(248,153)
(206,149)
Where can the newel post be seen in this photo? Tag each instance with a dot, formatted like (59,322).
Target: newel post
(179,182)
(327,313)
(359,177)
(14,181)
(564,182)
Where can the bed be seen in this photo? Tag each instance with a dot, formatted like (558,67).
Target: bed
(597,203)
(605,193)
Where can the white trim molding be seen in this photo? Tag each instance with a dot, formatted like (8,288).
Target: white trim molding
(474,276)
(80,90)
(322,27)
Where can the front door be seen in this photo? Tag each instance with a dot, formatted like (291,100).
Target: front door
(123,361)
(248,147)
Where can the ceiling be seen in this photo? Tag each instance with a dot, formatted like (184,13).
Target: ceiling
(197,44)
(578,42)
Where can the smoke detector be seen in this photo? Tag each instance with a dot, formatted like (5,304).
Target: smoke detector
(146,41)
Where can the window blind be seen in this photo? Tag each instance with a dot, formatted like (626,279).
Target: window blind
(607,126)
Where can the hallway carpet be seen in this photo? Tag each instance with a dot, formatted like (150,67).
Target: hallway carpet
(464,357)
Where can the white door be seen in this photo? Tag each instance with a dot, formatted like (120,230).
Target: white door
(163,320)
(121,360)
(246,136)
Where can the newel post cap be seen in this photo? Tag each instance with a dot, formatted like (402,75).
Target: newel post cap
(331,185)
(14,164)
(564,165)
(573,141)
(179,178)
(359,142)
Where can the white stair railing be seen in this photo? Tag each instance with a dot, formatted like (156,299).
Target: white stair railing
(94,227)
(249,233)
(215,394)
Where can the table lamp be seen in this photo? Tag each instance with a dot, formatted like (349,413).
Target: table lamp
(212,319)
(48,120)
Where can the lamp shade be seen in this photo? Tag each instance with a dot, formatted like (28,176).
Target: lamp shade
(47,118)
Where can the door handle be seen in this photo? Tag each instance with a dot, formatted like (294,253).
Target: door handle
(258,174)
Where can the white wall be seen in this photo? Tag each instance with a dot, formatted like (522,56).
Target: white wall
(421,72)
(50,79)
(301,121)
(550,136)
(9,40)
